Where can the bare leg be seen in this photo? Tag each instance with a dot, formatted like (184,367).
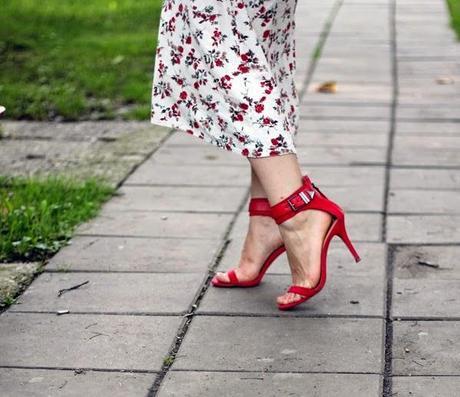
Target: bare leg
(262,238)
(303,234)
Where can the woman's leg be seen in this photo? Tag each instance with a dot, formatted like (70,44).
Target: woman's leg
(262,238)
(303,234)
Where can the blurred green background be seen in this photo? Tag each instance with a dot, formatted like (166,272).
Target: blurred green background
(77,59)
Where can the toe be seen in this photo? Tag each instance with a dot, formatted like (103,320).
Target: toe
(222,277)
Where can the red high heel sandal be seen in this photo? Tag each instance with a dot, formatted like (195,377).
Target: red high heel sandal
(260,207)
(307,198)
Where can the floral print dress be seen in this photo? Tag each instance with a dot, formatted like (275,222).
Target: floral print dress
(224,72)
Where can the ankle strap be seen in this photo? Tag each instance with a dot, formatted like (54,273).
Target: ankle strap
(305,197)
(259,206)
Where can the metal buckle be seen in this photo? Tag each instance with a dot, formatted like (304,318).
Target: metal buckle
(306,199)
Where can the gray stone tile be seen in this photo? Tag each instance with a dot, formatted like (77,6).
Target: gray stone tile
(112,292)
(423,229)
(351,93)
(423,178)
(346,176)
(427,128)
(135,254)
(370,127)
(350,295)
(422,386)
(426,348)
(407,266)
(336,139)
(369,112)
(168,198)
(185,175)
(206,154)
(424,201)
(49,382)
(426,150)
(211,384)
(157,224)
(420,290)
(428,111)
(282,344)
(86,341)
(341,156)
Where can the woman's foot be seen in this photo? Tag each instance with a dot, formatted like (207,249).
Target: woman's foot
(303,237)
(263,238)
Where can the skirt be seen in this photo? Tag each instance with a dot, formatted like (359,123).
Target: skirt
(224,72)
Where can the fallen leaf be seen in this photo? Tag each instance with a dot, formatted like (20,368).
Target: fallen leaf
(328,87)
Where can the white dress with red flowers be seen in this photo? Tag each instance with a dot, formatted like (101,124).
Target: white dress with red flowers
(224,72)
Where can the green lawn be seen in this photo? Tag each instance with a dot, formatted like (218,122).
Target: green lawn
(38,216)
(74,58)
(454,7)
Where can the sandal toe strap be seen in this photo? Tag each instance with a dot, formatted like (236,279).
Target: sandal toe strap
(232,276)
(303,291)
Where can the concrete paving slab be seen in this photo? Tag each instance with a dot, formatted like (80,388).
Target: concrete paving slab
(282,344)
(423,229)
(345,176)
(424,201)
(111,293)
(336,139)
(351,295)
(425,178)
(186,175)
(426,298)
(371,127)
(122,254)
(418,128)
(157,224)
(421,386)
(167,198)
(86,341)
(426,282)
(211,384)
(379,112)
(50,382)
(341,156)
(206,154)
(426,348)
(421,157)
(413,262)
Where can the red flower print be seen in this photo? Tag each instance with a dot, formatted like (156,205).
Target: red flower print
(234,87)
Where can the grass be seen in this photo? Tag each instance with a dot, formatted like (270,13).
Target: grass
(72,59)
(454,7)
(38,215)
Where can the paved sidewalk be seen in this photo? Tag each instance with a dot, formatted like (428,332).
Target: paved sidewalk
(386,146)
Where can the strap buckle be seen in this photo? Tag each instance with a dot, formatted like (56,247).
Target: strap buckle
(306,197)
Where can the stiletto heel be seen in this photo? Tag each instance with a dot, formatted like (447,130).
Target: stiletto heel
(309,197)
(342,233)
(257,207)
